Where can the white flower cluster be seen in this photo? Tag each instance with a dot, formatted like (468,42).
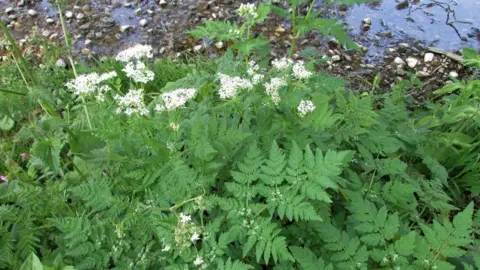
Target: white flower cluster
(247,11)
(198,261)
(229,86)
(186,232)
(134,53)
(282,63)
(131,103)
(175,99)
(87,84)
(305,107)
(252,70)
(300,72)
(138,72)
(272,88)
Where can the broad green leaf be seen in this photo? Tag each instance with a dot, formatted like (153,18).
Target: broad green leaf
(32,263)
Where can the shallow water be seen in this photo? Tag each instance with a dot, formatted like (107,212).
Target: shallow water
(421,22)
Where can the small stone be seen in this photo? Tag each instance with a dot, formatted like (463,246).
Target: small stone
(428,57)
(61,63)
(453,74)
(21,3)
(412,62)
(390,50)
(50,20)
(80,16)
(150,12)
(69,14)
(280,29)
(422,74)
(163,3)
(333,42)
(400,71)
(32,13)
(367,21)
(143,22)
(403,46)
(46,33)
(399,61)
(336,58)
(219,45)
(128,5)
(88,42)
(162,50)
(85,51)
(365,27)
(86,8)
(197,48)
(12,17)
(125,28)
(9,10)
(138,11)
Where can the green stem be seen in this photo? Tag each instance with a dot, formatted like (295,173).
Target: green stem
(87,114)
(294,31)
(12,92)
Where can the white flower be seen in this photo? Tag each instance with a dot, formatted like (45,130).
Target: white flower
(88,83)
(185,218)
(229,86)
(257,78)
(282,63)
(175,99)
(272,88)
(305,107)
(247,11)
(101,92)
(300,72)
(171,147)
(198,261)
(174,126)
(138,72)
(166,248)
(136,52)
(195,237)
(252,68)
(131,103)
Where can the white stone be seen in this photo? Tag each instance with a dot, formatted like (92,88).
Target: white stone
(197,48)
(428,57)
(124,28)
(367,21)
(143,22)
(412,62)
(32,12)
(399,61)
(61,63)
(46,33)
(69,14)
(87,42)
(390,50)
(50,20)
(219,45)
(336,58)
(162,50)
(453,74)
(403,46)
(9,10)
(138,10)
(423,74)
(80,16)
(163,2)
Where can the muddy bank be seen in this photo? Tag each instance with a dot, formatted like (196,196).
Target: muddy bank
(394,34)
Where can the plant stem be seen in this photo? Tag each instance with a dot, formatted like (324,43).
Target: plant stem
(12,92)
(294,32)
(87,114)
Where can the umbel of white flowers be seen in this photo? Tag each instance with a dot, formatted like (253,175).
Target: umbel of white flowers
(88,84)
(175,99)
(305,107)
(135,53)
(131,103)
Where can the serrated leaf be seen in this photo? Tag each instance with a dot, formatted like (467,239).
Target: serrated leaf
(406,244)
(48,151)
(32,263)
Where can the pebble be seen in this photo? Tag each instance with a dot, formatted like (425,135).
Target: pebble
(32,13)
(400,71)
(163,3)
(61,63)
(46,33)
(69,14)
(80,16)
(336,58)
(280,29)
(85,51)
(125,28)
(88,42)
(428,57)
(390,50)
(399,61)
(423,74)
(219,45)
(403,46)
(412,62)
(162,50)
(367,21)
(9,10)
(50,20)
(143,22)
(453,74)
(197,48)
(138,11)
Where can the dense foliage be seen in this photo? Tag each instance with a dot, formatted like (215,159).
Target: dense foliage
(223,164)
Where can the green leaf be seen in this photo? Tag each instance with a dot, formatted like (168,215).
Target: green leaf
(32,263)
(48,151)
(248,46)
(306,259)
(262,11)
(6,123)
(83,142)
(219,30)
(406,244)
